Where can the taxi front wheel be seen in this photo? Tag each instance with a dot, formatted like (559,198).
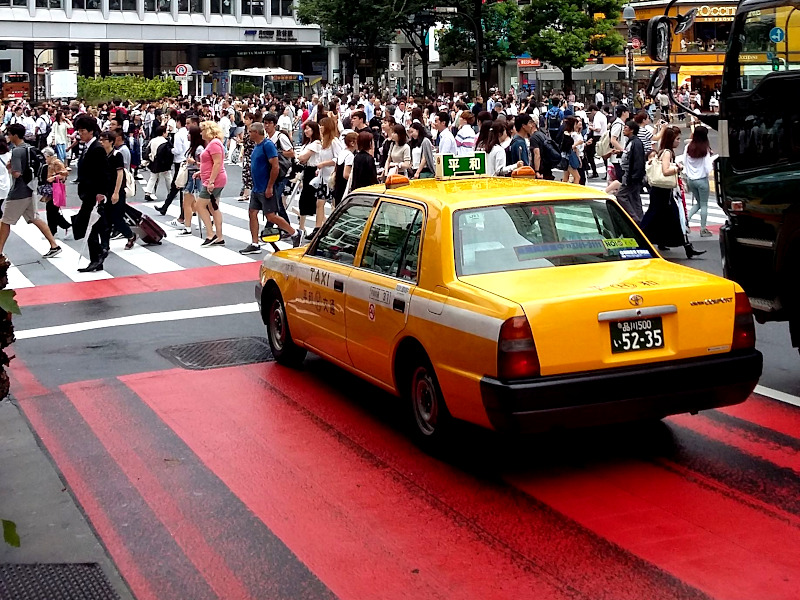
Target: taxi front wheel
(431,418)
(284,350)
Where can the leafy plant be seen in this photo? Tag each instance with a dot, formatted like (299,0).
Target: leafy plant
(565,32)
(129,87)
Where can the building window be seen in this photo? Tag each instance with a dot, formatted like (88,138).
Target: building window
(43,4)
(20,3)
(129,5)
(253,7)
(87,4)
(221,7)
(163,6)
(287,8)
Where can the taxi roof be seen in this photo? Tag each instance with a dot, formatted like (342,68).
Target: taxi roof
(470,192)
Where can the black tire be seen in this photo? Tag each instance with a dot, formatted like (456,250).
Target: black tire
(431,422)
(284,350)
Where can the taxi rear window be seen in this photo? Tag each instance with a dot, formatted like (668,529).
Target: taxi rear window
(536,235)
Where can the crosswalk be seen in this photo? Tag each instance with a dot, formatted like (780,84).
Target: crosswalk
(177,252)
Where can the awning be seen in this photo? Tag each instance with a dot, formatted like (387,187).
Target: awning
(313,79)
(688,71)
(603,72)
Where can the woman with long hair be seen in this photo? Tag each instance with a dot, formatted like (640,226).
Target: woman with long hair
(196,147)
(662,222)
(483,134)
(364,171)
(60,127)
(331,146)
(698,164)
(56,173)
(399,159)
(309,158)
(496,159)
(572,144)
(423,165)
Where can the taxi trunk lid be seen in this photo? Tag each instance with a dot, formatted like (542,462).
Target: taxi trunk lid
(580,314)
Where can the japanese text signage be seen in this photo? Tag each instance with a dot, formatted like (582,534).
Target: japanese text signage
(449,165)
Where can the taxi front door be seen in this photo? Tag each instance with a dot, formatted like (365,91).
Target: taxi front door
(323,282)
(382,287)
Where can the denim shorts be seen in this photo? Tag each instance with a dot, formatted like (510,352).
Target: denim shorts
(192,185)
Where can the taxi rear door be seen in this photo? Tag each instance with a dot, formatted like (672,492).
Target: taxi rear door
(317,311)
(382,285)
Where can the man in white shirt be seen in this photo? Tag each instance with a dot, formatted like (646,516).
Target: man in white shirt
(446,142)
(617,143)
(400,112)
(180,146)
(599,99)
(598,125)
(43,123)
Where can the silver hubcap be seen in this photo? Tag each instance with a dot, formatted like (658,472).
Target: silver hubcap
(425,401)
(277,328)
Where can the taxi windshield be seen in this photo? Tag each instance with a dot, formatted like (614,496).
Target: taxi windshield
(534,235)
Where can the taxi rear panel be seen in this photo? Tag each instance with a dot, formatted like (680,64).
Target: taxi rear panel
(572,310)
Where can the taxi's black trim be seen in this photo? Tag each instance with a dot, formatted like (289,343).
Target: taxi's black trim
(618,395)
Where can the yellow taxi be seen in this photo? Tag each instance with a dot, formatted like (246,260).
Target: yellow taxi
(509,302)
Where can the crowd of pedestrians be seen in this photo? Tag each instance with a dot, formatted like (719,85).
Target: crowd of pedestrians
(320,149)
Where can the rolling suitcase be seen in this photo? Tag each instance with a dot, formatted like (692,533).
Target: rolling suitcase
(146,228)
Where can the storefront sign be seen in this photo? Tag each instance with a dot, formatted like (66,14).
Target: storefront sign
(715,14)
(528,62)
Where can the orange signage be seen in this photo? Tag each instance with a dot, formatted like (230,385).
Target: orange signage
(529,62)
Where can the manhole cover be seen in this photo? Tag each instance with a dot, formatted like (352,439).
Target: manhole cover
(55,582)
(218,353)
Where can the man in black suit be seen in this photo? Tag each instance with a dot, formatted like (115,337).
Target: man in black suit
(91,173)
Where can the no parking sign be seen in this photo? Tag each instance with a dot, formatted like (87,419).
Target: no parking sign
(183,70)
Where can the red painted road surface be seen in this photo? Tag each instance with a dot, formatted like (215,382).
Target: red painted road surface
(260,482)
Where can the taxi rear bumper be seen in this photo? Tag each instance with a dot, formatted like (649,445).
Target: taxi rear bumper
(618,395)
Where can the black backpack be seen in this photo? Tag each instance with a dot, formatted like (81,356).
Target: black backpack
(34,161)
(549,153)
(163,159)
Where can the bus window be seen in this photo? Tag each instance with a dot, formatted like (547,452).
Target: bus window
(245,85)
(15,78)
(767,40)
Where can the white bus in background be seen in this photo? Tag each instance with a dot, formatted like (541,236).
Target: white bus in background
(246,82)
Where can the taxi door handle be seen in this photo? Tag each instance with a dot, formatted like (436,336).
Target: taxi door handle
(399,305)
(338,286)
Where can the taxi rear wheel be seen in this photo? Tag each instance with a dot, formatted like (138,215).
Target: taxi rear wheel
(284,350)
(431,419)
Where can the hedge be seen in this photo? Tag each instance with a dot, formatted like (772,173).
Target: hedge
(127,87)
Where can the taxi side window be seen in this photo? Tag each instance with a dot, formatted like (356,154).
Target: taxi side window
(393,242)
(340,240)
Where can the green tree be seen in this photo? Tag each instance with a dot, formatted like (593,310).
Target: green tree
(565,32)
(97,90)
(500,34)
(413,18)
(361,27)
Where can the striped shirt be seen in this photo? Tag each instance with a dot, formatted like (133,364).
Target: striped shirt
(465,140)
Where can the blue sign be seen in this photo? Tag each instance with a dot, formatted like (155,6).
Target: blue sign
(777,35)
(770,55)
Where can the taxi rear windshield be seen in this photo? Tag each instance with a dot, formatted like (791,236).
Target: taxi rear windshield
(536,235)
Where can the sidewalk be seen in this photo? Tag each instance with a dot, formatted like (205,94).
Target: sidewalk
(51,527)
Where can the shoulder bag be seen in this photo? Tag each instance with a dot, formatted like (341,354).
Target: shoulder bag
(656,177)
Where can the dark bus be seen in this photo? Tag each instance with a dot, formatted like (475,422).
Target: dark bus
(758,171)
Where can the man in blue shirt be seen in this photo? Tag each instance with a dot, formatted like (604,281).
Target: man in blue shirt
(518,150)
(264,168)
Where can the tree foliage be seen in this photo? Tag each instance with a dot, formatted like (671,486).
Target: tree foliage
(128,87)
(565,32)
(361,27)
(503,32)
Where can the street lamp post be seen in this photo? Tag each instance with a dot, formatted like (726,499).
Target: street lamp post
(452,10)
(629,16)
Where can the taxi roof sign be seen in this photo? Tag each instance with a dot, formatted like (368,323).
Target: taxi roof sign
(449,166)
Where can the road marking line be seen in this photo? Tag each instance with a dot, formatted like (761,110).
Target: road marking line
(159,317)
(777,395)
(67,262)
(16,280)
(145,259)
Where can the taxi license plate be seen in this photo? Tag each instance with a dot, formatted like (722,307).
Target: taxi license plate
(638,334)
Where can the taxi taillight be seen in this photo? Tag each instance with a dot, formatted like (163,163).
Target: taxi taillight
(516,351)
(744,330)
